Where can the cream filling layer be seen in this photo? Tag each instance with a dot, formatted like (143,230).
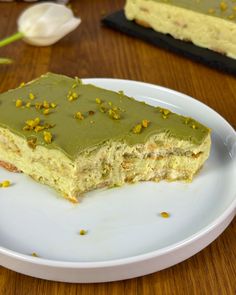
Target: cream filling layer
(112,164)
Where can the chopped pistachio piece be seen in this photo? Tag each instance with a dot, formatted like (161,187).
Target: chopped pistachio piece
(83,232)
(19,103)
(31,96)
(145,123)
(39,128)
(98,100)
(114,114)
(5,183)
(34,254)
(74,95)
(46,111)
(38,105)
(46,105)
(53,105)
(79,116)
(165,214)
(32,123)
(47,136)
(166,112)
(137,129)
(103,109)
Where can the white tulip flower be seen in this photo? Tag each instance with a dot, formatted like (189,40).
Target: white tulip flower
(44,24)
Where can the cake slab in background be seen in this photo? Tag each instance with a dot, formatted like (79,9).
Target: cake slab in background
(204,31)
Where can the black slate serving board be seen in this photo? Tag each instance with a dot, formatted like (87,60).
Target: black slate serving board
(118,21)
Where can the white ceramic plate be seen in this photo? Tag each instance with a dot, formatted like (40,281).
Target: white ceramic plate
(126,235)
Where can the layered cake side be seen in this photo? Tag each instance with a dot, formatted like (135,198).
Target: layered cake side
(77,137)
(208,24)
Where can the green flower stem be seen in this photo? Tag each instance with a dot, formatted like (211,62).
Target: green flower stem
(12,38)
(5,61)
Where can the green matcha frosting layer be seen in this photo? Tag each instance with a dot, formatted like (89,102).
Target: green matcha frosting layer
(102,115)
(224,9)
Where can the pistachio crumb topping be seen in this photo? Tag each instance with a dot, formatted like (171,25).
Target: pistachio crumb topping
(31,124)
(108,107)
(165,113)
(137,129)
(98,100)
(31,96)
(46,105)
(103,109)
(114,114)
(5,183)
(34,254)
(46,111)
(194,126)
(53,105)
(145,123)
(47,136)
(35,124)
(74,95)
(71,96)
(19,103)
(79,116)
(38,105)
(165,214)
(39,128)
(83,232)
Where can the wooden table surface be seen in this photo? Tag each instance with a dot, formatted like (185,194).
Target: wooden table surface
(96,51)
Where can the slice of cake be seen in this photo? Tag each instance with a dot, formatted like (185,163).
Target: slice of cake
(77,137)
(208,24)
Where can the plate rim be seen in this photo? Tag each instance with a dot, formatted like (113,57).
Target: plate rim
(229,211)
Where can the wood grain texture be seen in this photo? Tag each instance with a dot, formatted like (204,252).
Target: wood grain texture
(96,51)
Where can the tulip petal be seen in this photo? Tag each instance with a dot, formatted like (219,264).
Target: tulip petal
(69,26)
(46,23)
